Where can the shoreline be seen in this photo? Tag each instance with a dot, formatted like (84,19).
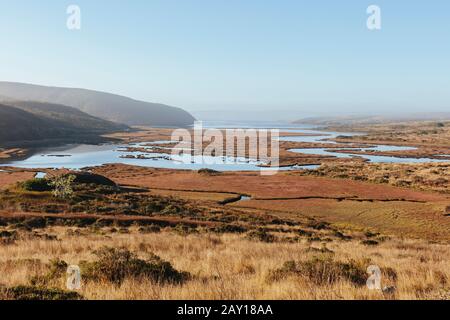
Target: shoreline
(288,157)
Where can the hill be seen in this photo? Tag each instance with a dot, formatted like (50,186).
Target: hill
(374,119)
(104,105)
(68,117)
(33,122)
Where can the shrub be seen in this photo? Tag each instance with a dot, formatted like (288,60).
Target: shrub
(38,293)
(322,271)
(184,229)
(150,229)
(63,186)
(318,225)
(36,184)
(91,178)
(288,268)
(261,235)
(35,223)
(114,265)
(228,228)
(208,172)
(342,236)
(8,234)
(7,237)
(56,270)
(369,242)
(447,211)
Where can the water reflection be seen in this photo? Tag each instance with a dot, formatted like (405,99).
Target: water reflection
(80,156)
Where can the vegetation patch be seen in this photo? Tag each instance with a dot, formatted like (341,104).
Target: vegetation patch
(228,228)
(37,185)
(115,265)
(323,271)
(56,269)
(208,172)
(370,242)
(261,235)
(38,293)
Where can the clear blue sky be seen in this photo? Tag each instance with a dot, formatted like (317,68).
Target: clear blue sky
(281,58)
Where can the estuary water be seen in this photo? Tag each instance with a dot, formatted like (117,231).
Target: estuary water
(80,156)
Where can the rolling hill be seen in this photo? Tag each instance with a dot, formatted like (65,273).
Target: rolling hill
(68,117)
(104,105)
(33,122)
(338,120)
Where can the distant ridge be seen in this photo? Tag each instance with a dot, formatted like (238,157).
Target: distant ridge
(374,119)
(104,105)
(68,117)
(25,122)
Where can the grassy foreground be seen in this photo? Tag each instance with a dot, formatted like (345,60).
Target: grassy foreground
(231,266)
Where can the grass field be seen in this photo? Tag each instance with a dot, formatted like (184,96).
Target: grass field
(143,233)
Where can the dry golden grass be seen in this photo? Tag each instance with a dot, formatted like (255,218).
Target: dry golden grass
(229,266)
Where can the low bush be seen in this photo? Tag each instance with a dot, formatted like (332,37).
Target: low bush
(150,229)
(38,293)
(91,178)
(261,235)
(318,225)
(36,184)
(228,228)
(56,269)
(370,242)
(322,271)
(208,172)
(115,265)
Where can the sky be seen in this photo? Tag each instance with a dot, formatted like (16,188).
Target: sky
(228,59)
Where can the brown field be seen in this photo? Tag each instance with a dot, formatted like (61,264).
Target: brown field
(231,267)
(9,178)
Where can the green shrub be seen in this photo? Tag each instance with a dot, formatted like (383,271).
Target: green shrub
(115,265)
(184,229)
(318,225)
(370,242)
(261,235)
(150,229)
(63,186)
(323,271)
(228,228)
(35,223)
(91,178)
(56,270)
(8,234)
(208,172)
(287,269)
(38,293)
(36,184)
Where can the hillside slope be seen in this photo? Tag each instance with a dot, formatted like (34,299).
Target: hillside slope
(68,117)
(374,119)
(100,104)
(18,124)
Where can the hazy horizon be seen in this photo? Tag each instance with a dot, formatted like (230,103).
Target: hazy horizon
(277,60)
